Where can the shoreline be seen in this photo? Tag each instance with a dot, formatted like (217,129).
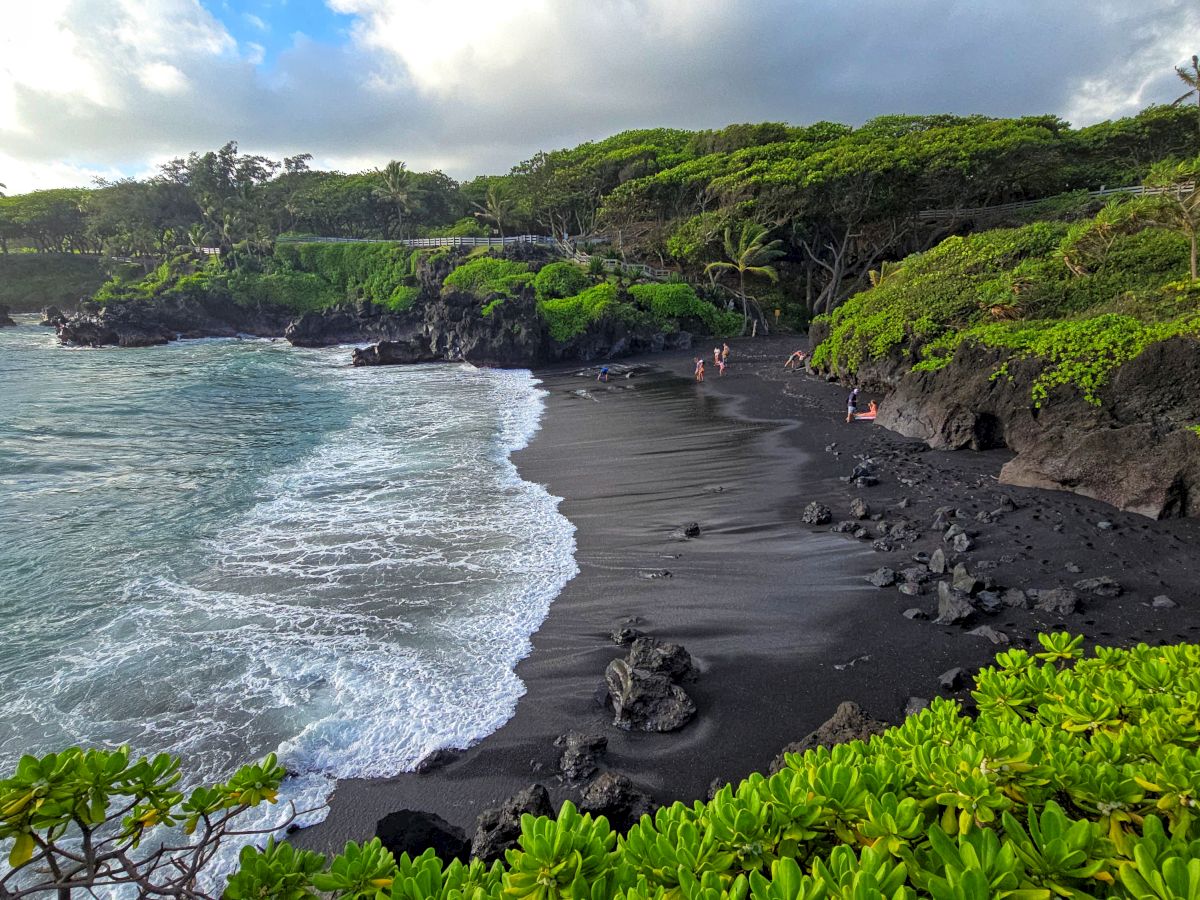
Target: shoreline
(777,614)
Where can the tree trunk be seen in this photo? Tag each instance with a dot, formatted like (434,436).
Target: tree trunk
(745,305)
(1193,237)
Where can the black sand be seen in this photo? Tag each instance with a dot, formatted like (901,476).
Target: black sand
(776,613)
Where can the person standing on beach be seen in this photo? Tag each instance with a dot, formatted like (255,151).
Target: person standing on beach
(852,405)
(725,353)
(699,368)
(720,366)
(716,355)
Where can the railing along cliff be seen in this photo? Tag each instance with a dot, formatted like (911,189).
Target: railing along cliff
(976,212)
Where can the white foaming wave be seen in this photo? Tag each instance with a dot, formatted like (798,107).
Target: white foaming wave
(370,511)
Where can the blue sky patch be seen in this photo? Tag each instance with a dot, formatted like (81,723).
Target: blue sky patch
(274,24)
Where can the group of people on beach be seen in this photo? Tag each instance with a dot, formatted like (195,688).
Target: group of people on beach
(852,413)
(720,361)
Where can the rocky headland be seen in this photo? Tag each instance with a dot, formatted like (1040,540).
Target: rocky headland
(1133,446)
(500,328)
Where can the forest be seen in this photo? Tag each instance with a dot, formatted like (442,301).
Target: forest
(816,207)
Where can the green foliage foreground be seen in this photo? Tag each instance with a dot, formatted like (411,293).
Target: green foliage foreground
(1077,778)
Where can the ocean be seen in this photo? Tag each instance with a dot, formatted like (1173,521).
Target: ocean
(225,548)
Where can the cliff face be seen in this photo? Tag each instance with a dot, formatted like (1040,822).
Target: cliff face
(1135,450)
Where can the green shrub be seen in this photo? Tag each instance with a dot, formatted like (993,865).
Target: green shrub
(468,226)
(668,303)
(569,317)
(560,279)
(1075,777)
(488,275)
(299,291)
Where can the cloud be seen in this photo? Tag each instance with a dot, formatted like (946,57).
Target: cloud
(481,85)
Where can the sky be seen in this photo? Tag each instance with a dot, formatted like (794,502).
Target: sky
(113,88)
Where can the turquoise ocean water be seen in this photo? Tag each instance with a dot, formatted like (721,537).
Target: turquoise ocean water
(226,548)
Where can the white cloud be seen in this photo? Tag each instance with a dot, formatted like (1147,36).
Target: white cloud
(480,84)
(255,22)
(162,78)
(21,175)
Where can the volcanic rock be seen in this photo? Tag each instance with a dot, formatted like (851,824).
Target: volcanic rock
(954,606)
(986,631)
(661,658)
(1101,587)
(816,514)
(581,754)
(618,799)
(413,832)
(646,701)
(1060,601)
(498,829)
(848,723)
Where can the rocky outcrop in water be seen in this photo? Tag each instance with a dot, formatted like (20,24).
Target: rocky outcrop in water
(144,323)
(1134,450)
(6,319)
(52,317)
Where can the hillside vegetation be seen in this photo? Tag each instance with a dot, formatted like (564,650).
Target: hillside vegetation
(1076,778)
(31,281)
(1084,296)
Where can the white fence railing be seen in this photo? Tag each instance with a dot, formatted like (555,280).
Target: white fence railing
(540,240)
(937,215)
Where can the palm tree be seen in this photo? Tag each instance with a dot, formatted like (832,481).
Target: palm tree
(1192,80)
(1177,206)
(496,207)
(749,256)
(3,186)
(397,188)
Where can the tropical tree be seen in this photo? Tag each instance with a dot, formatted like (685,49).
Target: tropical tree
(82,821)
(1192,79)
(497,207)
(396,187)
(1177,206)
(750,255)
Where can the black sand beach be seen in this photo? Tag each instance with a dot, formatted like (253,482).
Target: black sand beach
(777,614)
